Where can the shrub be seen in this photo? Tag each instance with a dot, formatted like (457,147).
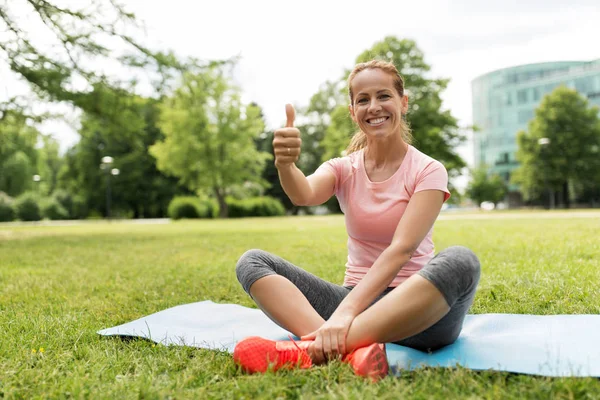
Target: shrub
(211,208)
(7,213)
(52,209)
(255,207)
(186,207)
(65,199)
(27,207)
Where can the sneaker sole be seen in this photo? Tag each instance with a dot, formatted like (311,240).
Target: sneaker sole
(375,365)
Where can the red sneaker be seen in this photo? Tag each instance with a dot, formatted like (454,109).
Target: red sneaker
(255,354)
(369,361)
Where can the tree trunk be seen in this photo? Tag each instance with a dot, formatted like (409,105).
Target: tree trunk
(223,209)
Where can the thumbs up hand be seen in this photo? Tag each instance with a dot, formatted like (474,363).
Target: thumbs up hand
(286,141)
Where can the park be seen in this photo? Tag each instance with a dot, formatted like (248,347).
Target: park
(134,175)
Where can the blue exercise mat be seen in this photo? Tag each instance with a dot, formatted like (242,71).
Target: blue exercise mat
(550,345)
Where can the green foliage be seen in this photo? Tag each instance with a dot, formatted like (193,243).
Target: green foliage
(49,164)
(571,159)
(76,42)
(27,207)
(52,209)
(7,212)
(65,200)
(338,133)
(255,207)
(191,207)
(483,187)
(17,153)
(184,207)
(209,136)
(80,208)
(140,188)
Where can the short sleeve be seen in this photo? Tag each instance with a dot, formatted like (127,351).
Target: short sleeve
(433,177)
(334,166)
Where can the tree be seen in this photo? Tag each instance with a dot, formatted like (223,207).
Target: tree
(484,187)
(18,155)
(49,163)
(567,161)
(126,136)
(59,47)
(209,136)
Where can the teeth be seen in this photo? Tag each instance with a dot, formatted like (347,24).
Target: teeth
(377,120)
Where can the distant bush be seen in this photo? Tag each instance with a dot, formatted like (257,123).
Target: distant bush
(7,213)
(27,208)
(52,209)
(210,208)
(186,207)
(255,207)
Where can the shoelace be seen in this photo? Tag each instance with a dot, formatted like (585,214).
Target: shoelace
(294,356)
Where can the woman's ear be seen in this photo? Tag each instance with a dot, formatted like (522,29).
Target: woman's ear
(352,112)
(404,104)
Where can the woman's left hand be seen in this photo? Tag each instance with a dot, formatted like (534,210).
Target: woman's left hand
(330,338)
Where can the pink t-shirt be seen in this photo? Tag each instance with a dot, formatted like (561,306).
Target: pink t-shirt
(373,209)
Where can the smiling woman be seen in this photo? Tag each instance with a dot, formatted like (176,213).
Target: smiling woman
(389,97)
(395,288)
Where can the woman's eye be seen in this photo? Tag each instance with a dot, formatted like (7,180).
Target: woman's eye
(361,101)
(384,96)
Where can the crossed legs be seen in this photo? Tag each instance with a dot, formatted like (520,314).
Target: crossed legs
(425,312)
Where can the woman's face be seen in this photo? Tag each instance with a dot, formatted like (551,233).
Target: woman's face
(377,107)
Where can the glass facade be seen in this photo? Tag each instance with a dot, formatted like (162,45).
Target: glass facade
(504,101)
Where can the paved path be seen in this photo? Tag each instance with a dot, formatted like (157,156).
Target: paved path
(444,216)
(520,215)
(149,221)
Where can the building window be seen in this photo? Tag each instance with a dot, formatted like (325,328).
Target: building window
(522,96)
(583,85)
(503,159)
(549,88)
(525,116)
(536,94)
(508,99)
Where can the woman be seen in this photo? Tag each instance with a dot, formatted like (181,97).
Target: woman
(395,289)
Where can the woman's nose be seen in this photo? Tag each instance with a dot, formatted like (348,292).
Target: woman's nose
(374,106)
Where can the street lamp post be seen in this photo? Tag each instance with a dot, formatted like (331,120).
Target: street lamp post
(544,143)
(106,164)
(36,180)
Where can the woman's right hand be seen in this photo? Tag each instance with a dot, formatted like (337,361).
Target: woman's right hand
(286,141)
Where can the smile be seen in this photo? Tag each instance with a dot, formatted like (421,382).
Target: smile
(377,121)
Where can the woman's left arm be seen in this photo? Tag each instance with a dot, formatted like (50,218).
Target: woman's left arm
(418,218)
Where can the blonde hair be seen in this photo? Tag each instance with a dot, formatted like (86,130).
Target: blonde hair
(359,140)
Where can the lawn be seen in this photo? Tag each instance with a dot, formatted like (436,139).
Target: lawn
(59,285)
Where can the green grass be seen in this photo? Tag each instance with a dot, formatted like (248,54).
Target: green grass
(59,285)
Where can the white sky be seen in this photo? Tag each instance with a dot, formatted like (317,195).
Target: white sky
(289,48)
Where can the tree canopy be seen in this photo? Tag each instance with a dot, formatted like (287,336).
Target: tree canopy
(485,187)
(65,53)
(560,151)
(210,135)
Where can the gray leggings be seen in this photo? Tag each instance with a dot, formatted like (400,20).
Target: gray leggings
(454,271)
